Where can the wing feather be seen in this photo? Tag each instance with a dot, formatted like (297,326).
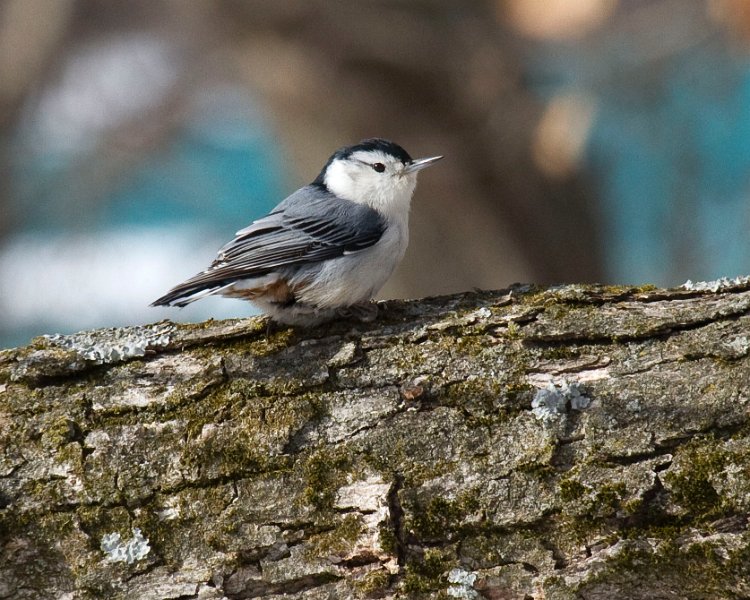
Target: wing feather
(309,226)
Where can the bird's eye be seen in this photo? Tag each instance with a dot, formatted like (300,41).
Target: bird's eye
(379,167)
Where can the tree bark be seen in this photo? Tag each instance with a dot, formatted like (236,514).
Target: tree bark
(572,442)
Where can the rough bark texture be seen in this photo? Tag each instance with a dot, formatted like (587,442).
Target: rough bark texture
(575,442)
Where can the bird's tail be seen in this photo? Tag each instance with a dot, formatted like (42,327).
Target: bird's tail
(190,291)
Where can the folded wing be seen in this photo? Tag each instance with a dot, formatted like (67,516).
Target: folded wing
(311,225)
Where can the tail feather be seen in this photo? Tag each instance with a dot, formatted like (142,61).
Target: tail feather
(186,293)
(213,282)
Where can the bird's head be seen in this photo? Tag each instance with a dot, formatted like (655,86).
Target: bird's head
(375,172)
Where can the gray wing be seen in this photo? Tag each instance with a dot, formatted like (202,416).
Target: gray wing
(309,226)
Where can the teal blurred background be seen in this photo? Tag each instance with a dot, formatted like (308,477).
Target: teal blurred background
(585,140)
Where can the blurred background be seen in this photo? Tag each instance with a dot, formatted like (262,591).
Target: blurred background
(585,140)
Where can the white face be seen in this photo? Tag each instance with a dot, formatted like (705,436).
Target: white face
(374,178)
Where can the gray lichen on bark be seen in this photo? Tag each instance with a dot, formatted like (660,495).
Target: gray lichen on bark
(572,442)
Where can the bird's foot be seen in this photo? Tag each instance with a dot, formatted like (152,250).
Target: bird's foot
(366,312)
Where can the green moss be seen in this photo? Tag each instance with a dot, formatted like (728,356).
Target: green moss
(482,398)
(196,523)
(692,486)
(536,469)
(562,352)
(626,290)
(608,500)
(489,547)
(571,490)
(559,312)
(245,444)
(338,541)
(441,518)
(492,398)
(392,455)
(232,454)
(386,458)
(575,296)
(98,521)
(254,338)
(374,583)
(427,573)
(254,424)
(387,537)
(513,331)
(595,513)
(72,455)
(695,570)
(324,472)
(418,473)
(272,343)
(471,345)
(248,391)
(13,520)
(407,358)
(533,297)
(739,561)
(59,432)
(588,516)
(636,506)
(46,546)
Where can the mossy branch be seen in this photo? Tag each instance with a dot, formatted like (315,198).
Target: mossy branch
(579,441)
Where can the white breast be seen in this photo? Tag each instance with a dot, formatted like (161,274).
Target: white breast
(358,276)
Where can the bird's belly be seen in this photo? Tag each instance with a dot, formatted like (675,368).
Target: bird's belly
(352,278)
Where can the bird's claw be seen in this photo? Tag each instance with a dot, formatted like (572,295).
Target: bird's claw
(366,312)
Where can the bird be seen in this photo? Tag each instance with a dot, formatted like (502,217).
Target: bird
(326,250)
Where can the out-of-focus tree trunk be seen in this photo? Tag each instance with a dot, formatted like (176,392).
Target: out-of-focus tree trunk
(575,442)
(438,77)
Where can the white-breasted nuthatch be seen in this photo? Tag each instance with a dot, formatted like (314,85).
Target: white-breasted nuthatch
(325,250)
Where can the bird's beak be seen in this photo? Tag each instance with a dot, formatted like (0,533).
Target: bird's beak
(421,163)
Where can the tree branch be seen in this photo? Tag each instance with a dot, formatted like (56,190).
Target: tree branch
(571,442)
